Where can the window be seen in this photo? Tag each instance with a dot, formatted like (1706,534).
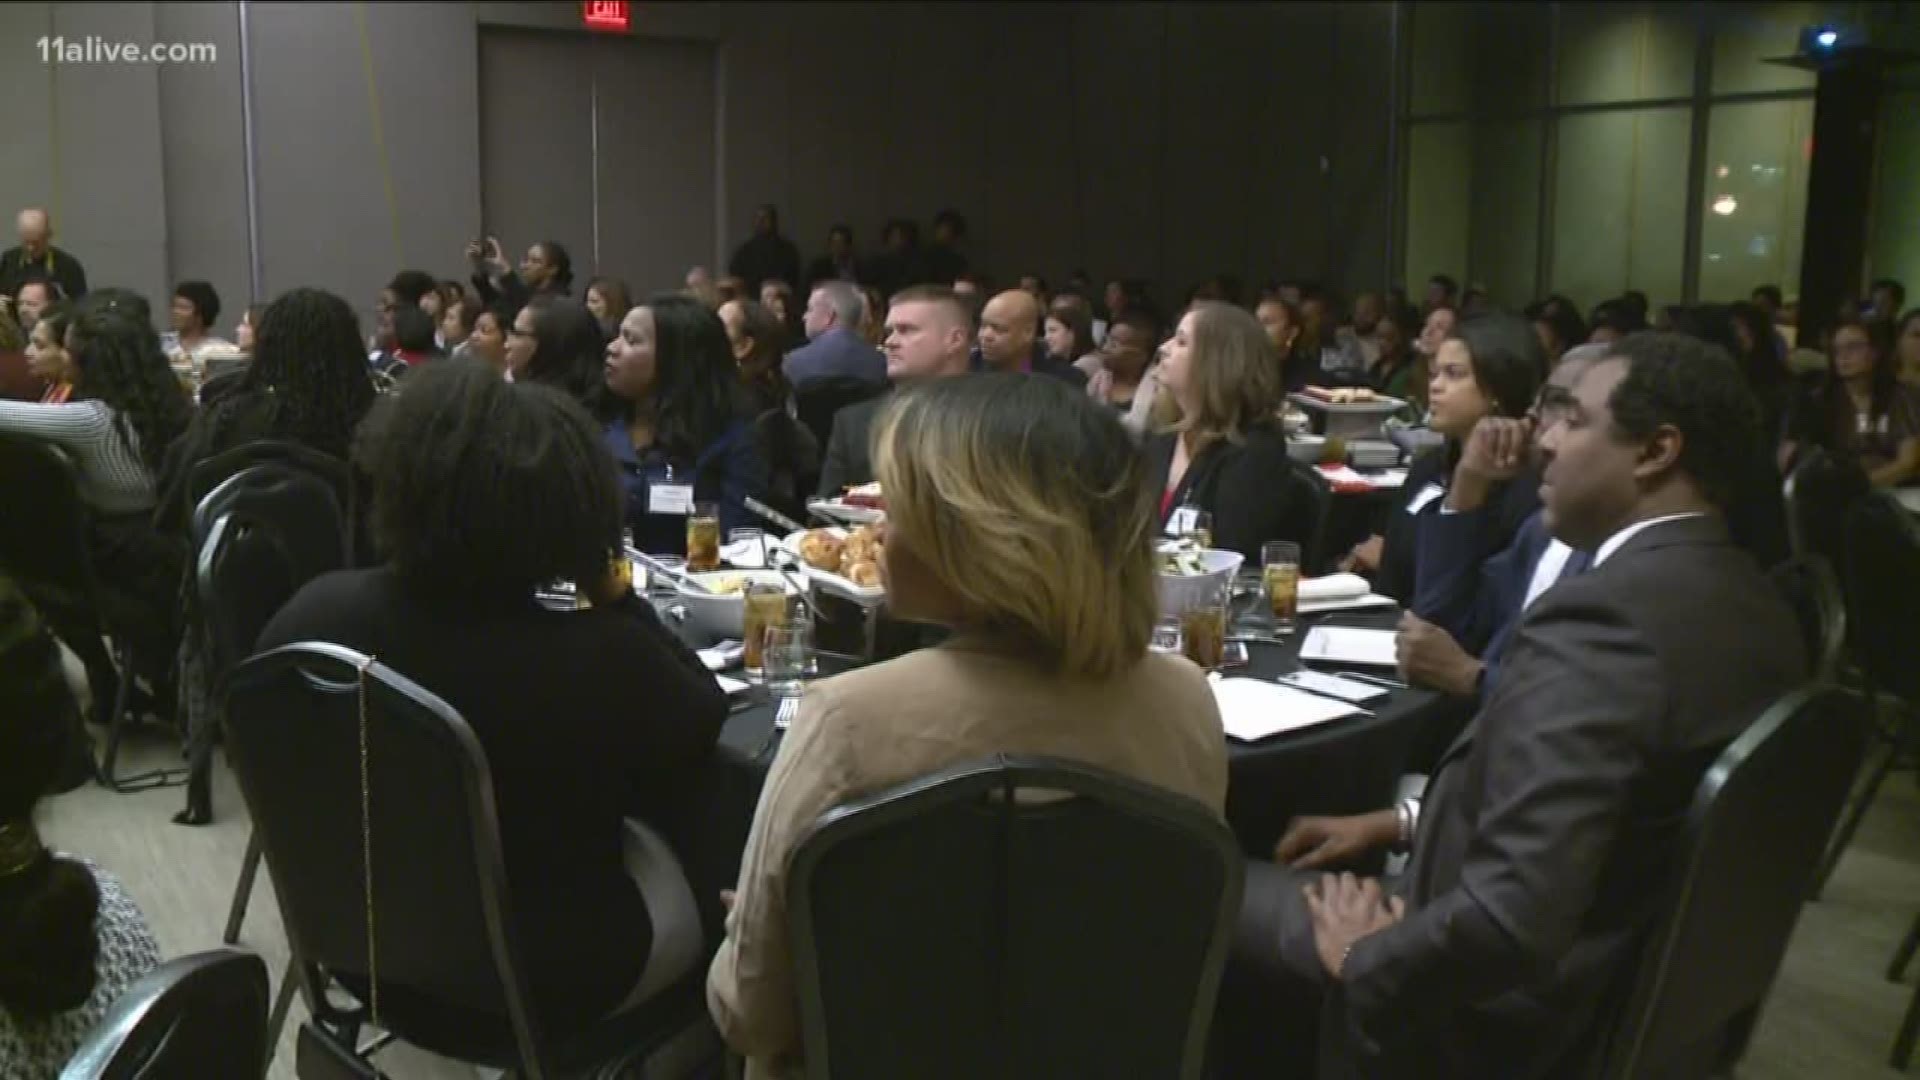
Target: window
(1440,175)
(1625,52)
(1619,204)
(1754,196)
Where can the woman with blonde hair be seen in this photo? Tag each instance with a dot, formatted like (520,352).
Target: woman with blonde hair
(1221,449)
(1017,516)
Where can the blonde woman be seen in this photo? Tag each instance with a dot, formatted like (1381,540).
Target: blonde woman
(1221,448)
(1017,517)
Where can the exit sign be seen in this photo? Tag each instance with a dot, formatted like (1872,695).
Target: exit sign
(610,15)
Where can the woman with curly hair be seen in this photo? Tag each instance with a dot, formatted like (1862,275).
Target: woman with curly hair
(308,383)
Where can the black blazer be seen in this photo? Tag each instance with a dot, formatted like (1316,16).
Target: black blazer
(849,459)
(586,717)
(1511,503)
(1550,824)
(1248,488)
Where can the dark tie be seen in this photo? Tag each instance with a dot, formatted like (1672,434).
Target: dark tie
(1578,562)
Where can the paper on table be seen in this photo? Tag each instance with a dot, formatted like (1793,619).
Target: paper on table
(730,686)
(720,657)
(1388,478)
(1349,645)
(1251,709)
(1345,603)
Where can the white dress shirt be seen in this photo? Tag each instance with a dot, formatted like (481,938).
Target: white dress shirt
(1612,543)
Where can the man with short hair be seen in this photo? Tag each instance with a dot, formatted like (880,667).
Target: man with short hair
(1885,298)
(943,264)
(1441,291)
(35,297)
(1544,844)
(928,332)
(1010,340)
(766,254)
(839,263)
(36,259)
(834,348)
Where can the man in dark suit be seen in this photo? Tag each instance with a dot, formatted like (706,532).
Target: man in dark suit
(1539,851)
(834,348)
(36,259)
(1470,596)
(766,254)
(1010,341)
(928,331)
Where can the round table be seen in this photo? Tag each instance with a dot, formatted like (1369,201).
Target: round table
(1340,767)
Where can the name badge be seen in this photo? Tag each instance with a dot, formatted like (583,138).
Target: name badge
(674,499)
(1424,496)
(1183,521)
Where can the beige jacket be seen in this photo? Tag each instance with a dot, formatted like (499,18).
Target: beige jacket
(871,729)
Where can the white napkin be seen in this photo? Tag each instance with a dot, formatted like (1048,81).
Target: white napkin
(1333,587)
(730,686)
(722,656)
(1253,709)
(747,554)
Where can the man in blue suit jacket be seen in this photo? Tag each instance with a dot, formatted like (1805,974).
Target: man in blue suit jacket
(834,349)
(1471,597)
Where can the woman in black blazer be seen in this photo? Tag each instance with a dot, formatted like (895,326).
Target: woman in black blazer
(1226,453)
(484,491)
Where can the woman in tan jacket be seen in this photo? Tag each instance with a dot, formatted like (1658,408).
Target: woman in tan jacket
(1019,516)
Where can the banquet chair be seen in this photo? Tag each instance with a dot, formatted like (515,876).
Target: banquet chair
(47,551)
(1813,590)
(1882,588)
(818,401)
(203,1015)
(1821,492)
(341,759)
(1753,838)
(215,472)
(1308,487)
(987,932)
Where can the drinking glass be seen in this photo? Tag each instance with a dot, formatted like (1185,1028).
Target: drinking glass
(1280,567)
(755,542)
(1166,635)
(1203,625)
(765,605)
(787,658)
(1198,525)
(703,537)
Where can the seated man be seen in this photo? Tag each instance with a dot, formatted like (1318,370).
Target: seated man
(1549,824)
(1471,598)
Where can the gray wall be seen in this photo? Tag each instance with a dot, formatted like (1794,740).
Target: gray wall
(1156,139)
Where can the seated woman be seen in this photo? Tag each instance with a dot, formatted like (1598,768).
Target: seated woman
(1399,371)
(1864,412)
(1017,517)
(554,341)
(195,309)
(1492,365)
(1121,372)
(47,355)
(308,383)
(485,491)
(1225,453)
(793,452)
(609,301)
(71,939)
(487,339)
(126,410)
(679,423)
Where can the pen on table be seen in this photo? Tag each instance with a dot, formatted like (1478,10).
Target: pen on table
(1377,680)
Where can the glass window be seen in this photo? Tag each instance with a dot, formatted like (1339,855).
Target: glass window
(1509,56)
(1894,244)
(1438,174)
(1619,209)
(1625,52)
(1754,203)
(1440,58)
(1746,36)
(1505,238)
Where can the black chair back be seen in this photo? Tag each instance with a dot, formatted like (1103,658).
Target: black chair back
(1811,587)
(819,400)
(985,932)
(339,755)
(1883,593)
(198,1016)
(269,529)
(46,550)
(216,473)
(1759,822)
(1821,492)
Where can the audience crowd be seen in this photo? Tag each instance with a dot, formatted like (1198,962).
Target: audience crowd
(1572,471)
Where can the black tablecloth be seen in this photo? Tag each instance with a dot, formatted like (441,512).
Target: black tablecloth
(1341,767)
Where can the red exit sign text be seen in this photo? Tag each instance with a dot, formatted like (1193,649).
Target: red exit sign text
(611,15)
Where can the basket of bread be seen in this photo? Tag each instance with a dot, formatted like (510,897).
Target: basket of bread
(846,561)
